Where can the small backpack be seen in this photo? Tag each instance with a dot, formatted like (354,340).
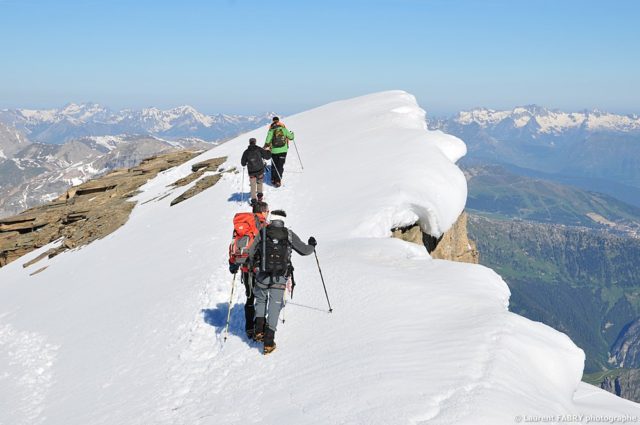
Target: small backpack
(245,230)
(276,251)
(254,161)
(279,137)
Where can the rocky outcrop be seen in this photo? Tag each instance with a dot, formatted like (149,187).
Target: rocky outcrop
(625,384)
(200,186)
(37,173)
(198,170)
(625,352)
(453,245)
(83,213)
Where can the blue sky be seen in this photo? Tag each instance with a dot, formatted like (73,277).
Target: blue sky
(248,56)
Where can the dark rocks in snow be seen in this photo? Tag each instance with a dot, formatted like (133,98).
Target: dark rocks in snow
(200,186)
(625,384)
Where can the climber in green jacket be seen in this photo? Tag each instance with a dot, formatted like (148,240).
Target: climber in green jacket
(278,143)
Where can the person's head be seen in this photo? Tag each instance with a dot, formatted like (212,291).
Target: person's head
(276,123)
(252,141)
(278,215)
(261,208)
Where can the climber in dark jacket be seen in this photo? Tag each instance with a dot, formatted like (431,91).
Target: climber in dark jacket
(253,158)
(274,273)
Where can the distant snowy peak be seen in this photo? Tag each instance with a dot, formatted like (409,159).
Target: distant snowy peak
(166,119)
(87,112)
(91,119)
(73,112)
(548,121)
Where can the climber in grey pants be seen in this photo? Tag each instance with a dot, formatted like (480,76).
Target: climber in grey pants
(275,243)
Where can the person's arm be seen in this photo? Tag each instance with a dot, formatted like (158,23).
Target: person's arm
(243,161)
(266,154)
(288,134)
(267,142)
(299,246)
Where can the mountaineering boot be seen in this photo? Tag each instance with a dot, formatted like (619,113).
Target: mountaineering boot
(260,195)
(259,329)
(269,343)
(253,202)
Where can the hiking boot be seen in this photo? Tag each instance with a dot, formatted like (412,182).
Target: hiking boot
(253,202)
(260,195)
(269,343)
(268,349)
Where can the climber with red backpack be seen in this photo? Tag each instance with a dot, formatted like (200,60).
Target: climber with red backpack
(246,228)
(278,143)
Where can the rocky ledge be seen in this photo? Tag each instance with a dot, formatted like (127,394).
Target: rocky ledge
(93,209)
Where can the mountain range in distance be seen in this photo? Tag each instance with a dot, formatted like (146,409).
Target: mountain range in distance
(592,150)
(43,152)
(56,126)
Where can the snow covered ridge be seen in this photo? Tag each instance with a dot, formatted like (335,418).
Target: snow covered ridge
(547,121)
(131,325)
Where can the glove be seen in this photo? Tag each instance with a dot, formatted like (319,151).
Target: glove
(233,268)
(312,241)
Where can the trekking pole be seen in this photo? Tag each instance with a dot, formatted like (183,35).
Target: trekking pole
(322,278)
(242,188)
(298,153)
(284,305)
(226,328)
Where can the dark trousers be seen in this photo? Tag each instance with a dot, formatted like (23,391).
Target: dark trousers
(278,160)
(249,308)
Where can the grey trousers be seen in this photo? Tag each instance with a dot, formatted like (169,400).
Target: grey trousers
(256,185)
(269,300)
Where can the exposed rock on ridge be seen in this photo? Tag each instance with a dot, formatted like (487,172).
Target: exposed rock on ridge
(86,212)
(454,245)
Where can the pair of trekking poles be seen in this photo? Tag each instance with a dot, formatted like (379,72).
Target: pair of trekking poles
(233,286)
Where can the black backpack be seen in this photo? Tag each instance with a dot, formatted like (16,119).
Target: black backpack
(254,161)
(276,250)
(279,137)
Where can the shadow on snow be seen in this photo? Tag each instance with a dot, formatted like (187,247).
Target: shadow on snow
(217,317)
(239,197)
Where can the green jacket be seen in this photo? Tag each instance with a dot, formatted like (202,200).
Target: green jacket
(288,134)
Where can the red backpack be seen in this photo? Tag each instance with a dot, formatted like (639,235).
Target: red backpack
(245,230)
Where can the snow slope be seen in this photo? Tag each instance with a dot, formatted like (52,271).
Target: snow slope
(128,330)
